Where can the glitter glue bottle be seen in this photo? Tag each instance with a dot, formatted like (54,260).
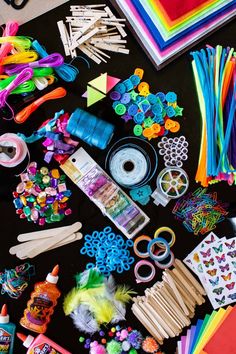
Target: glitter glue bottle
(41,305)
(41,345)
(7,332)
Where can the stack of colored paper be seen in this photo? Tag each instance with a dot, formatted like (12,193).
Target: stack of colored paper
(213,260)
(212,335)
(166,28)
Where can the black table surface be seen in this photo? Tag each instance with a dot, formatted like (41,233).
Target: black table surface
(177,77)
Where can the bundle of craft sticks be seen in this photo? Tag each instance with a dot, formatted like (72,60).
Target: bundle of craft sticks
(168,306)
(93,29)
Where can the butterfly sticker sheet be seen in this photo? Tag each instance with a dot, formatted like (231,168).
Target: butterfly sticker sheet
(218,262)
(192,260)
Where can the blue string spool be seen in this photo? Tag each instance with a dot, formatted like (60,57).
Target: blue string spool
(89,128)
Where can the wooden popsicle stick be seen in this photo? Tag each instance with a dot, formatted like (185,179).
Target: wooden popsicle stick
(156,319)
(183,319)
(199,299)
(46,244)
(184,292)
(44,233)
(171,308)
(138,312)
(179,265)
(176,292)
(162,309)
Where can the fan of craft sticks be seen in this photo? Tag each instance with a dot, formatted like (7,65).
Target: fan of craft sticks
(94,30)
(168,306)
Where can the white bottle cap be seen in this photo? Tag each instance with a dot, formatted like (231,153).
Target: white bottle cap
(4,319)
(29,340)
(52,278)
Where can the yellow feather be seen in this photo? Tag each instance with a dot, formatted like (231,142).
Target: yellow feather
(124,294)
(71,301)
(103,310)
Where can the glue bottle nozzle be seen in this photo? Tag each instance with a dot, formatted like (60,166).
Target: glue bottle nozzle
(55,271)
(4,310)
(21,336)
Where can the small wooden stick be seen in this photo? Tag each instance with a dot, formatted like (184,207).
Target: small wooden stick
(176,292)
(179,265)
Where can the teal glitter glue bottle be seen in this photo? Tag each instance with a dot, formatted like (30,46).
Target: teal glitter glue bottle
(7,332)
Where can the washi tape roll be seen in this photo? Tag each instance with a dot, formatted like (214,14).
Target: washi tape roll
(141,279)
(158,241)
(169,231)
(173,182)
(169,262)
(12,141)
(137,241)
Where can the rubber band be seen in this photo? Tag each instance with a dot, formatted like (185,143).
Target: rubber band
(169,263)
(158,242)
(137,241)
(168,230)
(138,277)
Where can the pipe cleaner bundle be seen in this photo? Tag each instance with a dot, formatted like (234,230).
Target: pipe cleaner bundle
(215,76)
(95,301)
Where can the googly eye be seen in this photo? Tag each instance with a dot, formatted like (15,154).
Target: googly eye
(162,152)
(179,163)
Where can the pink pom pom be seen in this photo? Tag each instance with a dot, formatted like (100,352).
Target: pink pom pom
(98,349)
(124,334)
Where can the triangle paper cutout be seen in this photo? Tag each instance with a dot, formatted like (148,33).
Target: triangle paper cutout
(100,83)
(93,96)
(111,82)
(85,95)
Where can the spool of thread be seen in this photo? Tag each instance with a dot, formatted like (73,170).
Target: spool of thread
(89,128)
(21,150)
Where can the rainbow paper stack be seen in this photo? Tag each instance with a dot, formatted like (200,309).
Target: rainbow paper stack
(214,334)
(165,28)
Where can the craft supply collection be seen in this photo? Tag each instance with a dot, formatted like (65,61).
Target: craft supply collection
(120,189)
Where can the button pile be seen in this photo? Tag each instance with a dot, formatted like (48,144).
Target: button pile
(110,250)
(173,150)
(151,113)
(42,195)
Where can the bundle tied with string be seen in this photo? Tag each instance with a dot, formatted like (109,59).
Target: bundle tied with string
(89,128)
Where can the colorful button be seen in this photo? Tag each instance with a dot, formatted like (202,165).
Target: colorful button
(120,88)
(139,72)
(161,96)
(138,130)
(114,104)
(152,98)
(120,109)
(157,109)
(139,118)
(175,128)
(133,109)
(115,95)
(125,98)
(171,97)
(148,133)
(126,117)
(170,111)
(133,95)
(148,122)
(143,85)
(135,80)
(144,105)
(128,85)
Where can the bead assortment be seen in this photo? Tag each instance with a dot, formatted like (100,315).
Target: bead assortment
(173,150)
(151,113)
(41,196)
(110,251)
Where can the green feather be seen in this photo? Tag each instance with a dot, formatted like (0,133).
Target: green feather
(71,301)
(124,294)
(103,310)
(89,279)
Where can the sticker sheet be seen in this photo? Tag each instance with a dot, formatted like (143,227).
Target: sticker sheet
(219,269)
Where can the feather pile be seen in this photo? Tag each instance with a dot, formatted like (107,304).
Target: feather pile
(95,301)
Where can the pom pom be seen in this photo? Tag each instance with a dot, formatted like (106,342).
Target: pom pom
(126,346)
(150,345)
(97,349)
(123,334)
(114,347)
(135,339)
(133,351)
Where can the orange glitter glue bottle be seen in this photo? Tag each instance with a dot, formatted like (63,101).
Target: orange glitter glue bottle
(41,305)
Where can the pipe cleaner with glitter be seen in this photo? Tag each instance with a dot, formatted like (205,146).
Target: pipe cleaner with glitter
(15,281)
